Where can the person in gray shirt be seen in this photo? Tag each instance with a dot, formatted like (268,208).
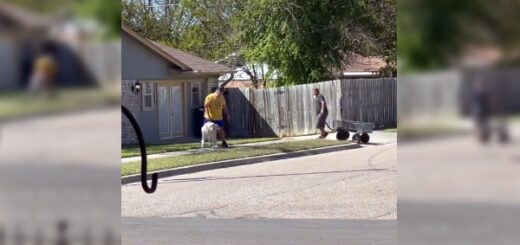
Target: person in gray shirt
(321,111)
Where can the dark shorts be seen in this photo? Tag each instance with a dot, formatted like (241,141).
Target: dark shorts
(220,123)
(321,119)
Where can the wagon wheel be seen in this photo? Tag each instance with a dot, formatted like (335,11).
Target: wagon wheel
(365,138)
(342,134)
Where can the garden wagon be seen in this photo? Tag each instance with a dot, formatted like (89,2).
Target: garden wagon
(360,130)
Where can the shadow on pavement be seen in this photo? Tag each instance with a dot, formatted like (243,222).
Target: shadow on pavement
(271,175)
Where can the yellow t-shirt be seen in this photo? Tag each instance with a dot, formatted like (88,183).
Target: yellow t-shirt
(46,66)
(215,107)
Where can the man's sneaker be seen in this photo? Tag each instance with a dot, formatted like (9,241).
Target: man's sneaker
(224,144)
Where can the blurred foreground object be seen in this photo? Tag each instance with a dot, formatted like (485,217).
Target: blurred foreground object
(55,52)
(458,87)
(59,154)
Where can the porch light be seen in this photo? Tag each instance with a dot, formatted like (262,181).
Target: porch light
(136,87)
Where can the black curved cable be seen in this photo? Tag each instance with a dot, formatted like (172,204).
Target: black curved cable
(142,147)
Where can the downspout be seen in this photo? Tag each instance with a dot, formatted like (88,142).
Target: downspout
(227,80)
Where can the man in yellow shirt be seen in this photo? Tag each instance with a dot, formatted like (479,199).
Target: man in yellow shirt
(44,71)
(214,105)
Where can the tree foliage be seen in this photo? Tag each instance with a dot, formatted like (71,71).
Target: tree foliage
(433,33)
(302,40)
(106,12)
(305,39)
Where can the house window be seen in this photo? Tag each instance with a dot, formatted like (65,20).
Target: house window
(195,94)
(148,96)
(212,86)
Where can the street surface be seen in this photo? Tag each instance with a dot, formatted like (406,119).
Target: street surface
(61,168)
(345,197)
(454,190)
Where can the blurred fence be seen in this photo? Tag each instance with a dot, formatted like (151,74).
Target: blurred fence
(446,95)
(429,96)
(290,111)
(103,59)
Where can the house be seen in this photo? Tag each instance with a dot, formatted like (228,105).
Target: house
(359,66)
(355,66)
(174,85)
(243,83)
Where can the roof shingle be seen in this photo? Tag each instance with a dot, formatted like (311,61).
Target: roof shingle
(196,63)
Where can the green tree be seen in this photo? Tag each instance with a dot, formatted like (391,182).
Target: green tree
(304,39)
(433,33)
(106,12)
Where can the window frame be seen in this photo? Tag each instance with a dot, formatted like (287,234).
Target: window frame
(145,93)
(212,85)
(199,86)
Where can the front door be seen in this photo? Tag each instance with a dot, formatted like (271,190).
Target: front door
(170,101)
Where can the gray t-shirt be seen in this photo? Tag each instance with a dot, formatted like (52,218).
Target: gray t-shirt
(317,100)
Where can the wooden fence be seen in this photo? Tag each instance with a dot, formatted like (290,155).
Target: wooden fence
(445,96)
(290,111)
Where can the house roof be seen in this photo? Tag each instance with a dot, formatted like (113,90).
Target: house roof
(188,63)
(196,63)
(242,84)
(480,56)
(360,63)
(22,17)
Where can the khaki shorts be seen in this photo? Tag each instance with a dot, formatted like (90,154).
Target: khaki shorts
(321,119)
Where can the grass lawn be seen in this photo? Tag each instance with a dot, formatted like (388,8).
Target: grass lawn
(19,104)
(133,150)
(390,130)
(426,131)
(226,154)
(515,118)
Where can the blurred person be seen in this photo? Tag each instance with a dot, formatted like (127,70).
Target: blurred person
(488,112)
(480,109)
(214,107)
(44,72)
(321,112)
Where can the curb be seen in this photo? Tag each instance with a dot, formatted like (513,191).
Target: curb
(238,162)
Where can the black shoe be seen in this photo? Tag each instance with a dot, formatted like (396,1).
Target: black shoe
(224,144)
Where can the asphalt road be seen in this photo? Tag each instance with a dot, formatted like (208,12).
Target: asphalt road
(257,231)
(346,197)
(454,190)
(61,168)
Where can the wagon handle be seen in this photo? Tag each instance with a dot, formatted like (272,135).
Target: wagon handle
(142,147)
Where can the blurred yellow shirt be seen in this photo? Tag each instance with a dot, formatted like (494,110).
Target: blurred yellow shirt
(215,107)
(46,65)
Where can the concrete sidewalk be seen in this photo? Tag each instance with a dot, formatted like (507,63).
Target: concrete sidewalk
(195,151)
(377,137)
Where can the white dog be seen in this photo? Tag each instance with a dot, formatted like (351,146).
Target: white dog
(209,133)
